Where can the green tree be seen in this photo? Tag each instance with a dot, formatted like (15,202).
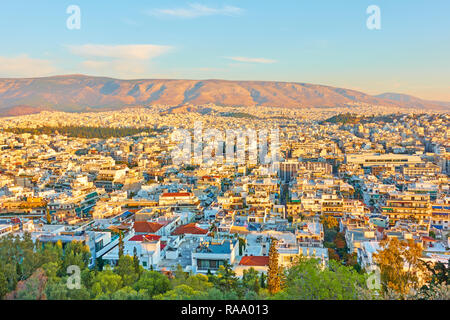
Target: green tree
(32,288)
(8,278)
(106,283)
(226,278)
(182,292)
(251,280)
(439,281)
(308,280)
(75,253)
(137,266)
(3,285)
(153,283)
(180,277)
(263,280)
(242,245)
(126,270)
(128,293)
(50,252)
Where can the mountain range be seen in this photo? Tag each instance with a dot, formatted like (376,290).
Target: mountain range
(74,93)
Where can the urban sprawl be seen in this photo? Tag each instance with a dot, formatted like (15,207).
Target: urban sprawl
(341,183)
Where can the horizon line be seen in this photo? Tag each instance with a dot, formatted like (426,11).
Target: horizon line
(218,79)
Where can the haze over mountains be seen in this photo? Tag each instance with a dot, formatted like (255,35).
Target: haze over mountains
(86,93)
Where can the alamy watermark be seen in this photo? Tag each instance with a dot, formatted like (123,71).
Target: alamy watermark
(374,280)
(374,20)
(74,279)
(228,147)
(73,22)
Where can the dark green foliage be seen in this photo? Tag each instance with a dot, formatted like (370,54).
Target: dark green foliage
(242,115)
(306,280)
(350,118)
(35,271)
(83,132)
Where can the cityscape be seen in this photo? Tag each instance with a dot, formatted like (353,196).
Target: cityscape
(340,189)
(128,185)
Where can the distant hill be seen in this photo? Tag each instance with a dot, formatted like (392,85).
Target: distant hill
(86,93)
(20,110)
(411,101)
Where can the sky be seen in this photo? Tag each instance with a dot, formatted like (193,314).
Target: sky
(322,41)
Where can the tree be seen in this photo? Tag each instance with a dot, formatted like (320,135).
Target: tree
(8,278)
(137,266)
(330,235)
(128,293)
(199,282)
(48,217)
(57,290)
(242,245)
(329,222)
(50,252)
(340,241)
(439,285)
(126,270)
(351,259)
(32,288)
(120,243)
(217,294)
(263,279)
(75,253)
(226,278)
(152,283)
(400,266)
(27,259)
(440,273)
(106,283)
(307,279)
(273,273)
(51,270)
(251,280)
(99,263)
(182,292)
(332,254)
(180,277)
(3,285)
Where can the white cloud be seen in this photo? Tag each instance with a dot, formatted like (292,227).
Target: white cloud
(123,61)
(252,60)
(195,10)
(123,69)
(132,52)
(24,66)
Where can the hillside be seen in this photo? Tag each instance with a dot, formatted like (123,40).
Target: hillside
(86,93)
(411,101)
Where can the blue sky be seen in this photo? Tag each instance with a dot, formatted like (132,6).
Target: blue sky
(320,41)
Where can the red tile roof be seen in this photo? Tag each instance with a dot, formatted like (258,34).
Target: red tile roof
(429,239)
(146,227)
(189,229)
(142,237)
(176,194)
(255,261)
